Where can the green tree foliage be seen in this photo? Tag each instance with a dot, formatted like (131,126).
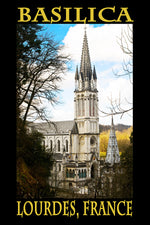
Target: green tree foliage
(39,68)
(33,164)
(122,176)
(27,41)
(34,56)
(127,165)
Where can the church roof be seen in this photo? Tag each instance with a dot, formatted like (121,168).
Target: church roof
(85,65)
(54,127)
(85,75)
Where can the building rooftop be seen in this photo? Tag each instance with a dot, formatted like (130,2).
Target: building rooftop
(53,127)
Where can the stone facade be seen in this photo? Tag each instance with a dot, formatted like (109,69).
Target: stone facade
(75,144)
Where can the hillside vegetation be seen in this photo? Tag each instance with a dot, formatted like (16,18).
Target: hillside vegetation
(123,139)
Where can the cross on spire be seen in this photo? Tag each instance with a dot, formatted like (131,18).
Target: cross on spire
(85,27)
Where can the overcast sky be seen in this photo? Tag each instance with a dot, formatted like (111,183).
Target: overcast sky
(106,55)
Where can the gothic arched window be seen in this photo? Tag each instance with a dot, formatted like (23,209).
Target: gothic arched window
(79,174)
(67,173)
(58,145)
(59,167)
(83,110)
(84,174)
(66,145)
(73,174)
(90,105)
(94,105)
(51,145)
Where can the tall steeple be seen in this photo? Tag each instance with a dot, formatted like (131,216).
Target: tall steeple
(112,155)
(85,79)
(85,65)
(86,116)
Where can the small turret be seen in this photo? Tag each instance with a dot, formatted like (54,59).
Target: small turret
(76,78)
(94,79)
(94,73)
(80,82)
(76,74)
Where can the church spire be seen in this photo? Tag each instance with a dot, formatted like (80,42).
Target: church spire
(85,66)
(85,78)
(112,155)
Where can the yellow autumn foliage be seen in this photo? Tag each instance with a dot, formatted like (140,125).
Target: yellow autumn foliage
(123,139)
(25,180)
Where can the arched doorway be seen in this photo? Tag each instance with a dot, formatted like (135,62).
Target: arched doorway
(94,170)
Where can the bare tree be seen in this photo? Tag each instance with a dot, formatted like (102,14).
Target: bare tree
(45,69)
(126,44)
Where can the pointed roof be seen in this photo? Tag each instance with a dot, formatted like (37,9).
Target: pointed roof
(94,73)
(112,155)
(85,65)
(112,123)
(76,74)
(74,129)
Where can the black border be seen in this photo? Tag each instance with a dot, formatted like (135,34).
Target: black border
(49,4)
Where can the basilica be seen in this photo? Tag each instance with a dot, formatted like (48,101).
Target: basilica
(75,144)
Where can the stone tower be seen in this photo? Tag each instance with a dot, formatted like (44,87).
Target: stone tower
(112,155)
(86,106)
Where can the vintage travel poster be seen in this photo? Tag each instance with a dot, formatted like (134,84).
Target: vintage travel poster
(74,112)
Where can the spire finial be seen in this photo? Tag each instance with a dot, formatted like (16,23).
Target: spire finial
(85,27)
(112,121)
(85,65)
